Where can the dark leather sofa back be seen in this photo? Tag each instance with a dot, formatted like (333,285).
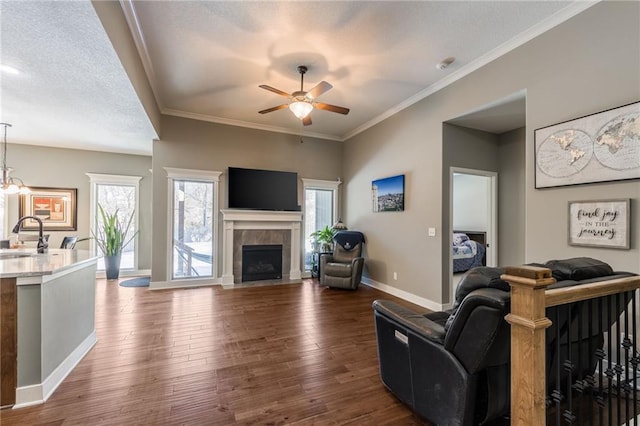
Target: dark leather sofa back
(578,269)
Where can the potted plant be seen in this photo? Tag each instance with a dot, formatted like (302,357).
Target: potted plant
(324,237)
(112,237)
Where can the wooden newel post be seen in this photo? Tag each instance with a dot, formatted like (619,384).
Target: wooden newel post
(528,324)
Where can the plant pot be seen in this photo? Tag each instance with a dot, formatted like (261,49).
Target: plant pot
(112,266)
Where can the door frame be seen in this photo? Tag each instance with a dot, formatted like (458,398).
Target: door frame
(492,220)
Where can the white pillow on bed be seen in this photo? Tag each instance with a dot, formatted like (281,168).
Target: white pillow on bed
(459,238)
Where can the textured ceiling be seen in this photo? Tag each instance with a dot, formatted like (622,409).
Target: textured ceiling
(205,60)
(72,90)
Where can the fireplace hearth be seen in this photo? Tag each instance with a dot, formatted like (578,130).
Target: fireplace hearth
(261,262)
(249,227)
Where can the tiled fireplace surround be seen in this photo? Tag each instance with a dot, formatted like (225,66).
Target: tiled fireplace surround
(250,227)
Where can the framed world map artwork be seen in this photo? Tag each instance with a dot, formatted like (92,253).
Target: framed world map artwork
(600,147)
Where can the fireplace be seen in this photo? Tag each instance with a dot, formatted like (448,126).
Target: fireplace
(261,262)
(251,227)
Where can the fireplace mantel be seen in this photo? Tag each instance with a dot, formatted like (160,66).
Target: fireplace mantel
(263,220)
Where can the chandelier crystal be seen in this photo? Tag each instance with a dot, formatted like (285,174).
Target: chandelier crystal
(8,184)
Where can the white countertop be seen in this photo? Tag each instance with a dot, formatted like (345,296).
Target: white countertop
(34,264)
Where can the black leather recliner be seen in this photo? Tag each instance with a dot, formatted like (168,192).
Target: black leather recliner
(453,367)
(450,367)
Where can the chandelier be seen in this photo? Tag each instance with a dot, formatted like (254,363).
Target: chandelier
(9,185)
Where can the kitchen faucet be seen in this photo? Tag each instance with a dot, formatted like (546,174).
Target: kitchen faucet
(42,243)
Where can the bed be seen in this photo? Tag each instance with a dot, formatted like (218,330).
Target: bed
(469,250)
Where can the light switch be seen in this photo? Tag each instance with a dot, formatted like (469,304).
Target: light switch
(432,232)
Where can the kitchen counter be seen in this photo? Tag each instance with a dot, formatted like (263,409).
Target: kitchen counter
(16,263)
(47,320)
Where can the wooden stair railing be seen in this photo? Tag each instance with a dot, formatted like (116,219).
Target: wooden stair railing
(529,300)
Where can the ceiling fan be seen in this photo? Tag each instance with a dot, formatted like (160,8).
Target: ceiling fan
(302,103)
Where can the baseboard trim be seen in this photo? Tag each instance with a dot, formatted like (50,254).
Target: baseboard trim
(37,394)
(126,273)
(26,396)
(409,297)
(165,285)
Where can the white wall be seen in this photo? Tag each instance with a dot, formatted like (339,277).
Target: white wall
(470,195)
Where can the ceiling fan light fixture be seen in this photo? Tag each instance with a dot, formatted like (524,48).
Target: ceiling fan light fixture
(301,103)
(300,108)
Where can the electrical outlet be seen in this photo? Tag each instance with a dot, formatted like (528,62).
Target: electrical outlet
(395,276)
(432,232)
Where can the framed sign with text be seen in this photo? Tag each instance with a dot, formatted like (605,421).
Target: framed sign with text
(602,223)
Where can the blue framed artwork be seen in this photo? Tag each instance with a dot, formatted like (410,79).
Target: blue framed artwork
(387,195)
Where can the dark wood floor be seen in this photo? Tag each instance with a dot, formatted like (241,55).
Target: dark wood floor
(284,354)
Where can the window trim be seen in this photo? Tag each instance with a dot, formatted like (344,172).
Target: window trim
(96,179)
(207,176)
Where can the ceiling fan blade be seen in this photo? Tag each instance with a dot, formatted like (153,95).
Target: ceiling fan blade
(274,90)
(318,90)
(275,108)
(332,108)
(307,120)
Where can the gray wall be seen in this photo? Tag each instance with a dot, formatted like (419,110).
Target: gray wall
(68,309)
(54,318)
(66,168)
(192,144)
(511,203)
(585,65)
(29,335)
(469,149)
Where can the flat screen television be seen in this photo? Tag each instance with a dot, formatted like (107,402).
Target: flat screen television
(263,189)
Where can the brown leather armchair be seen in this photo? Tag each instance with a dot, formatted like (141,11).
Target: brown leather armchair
(343,268)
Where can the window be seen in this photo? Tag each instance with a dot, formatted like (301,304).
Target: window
(114,192)
(193,220)
(320,210)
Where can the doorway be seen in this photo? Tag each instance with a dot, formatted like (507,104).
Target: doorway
(474,211)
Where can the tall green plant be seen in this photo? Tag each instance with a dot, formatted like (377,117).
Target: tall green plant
(112,235)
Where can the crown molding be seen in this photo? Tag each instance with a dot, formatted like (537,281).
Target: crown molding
(543,26)
(239,123)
